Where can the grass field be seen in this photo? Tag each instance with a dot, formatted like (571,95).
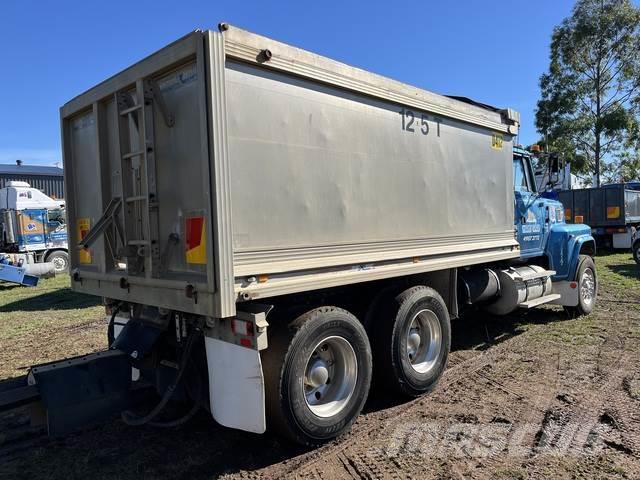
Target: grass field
(45,323)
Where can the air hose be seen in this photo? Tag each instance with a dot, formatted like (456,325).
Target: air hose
(132,419)
(111,327)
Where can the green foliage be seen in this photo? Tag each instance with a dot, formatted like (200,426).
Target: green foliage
(625,169)
(590,97)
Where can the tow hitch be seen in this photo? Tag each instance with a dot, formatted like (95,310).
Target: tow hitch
(73,392)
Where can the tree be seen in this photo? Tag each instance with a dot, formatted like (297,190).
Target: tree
(590,97)
(626,169)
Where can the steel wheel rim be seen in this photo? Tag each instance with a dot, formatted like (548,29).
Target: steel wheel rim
(423,341)
(330,376)
(59,264)
(587,286)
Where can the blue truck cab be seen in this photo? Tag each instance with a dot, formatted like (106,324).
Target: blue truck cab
(546,240)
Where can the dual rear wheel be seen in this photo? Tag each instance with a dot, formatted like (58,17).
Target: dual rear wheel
(318,368)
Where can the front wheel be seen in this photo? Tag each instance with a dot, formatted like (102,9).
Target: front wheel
(636,251)
(587,287)
(317,375)
(60,260)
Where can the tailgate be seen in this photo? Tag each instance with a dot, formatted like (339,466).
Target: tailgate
(136,161)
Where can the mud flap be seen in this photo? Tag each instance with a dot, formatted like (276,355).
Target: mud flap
(568,293)
(236,386)
(82,390)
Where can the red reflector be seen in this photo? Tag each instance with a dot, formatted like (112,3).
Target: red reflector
(573,284)
(193,235)
(245,342)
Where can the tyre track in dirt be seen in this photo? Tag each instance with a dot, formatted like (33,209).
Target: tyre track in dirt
(531,407)
(348,450)
(481,373)
(18,435)
(607,406)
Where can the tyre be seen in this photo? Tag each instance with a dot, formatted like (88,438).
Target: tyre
(60,260)
(587,287)
(412,340)
(636,251)
(317,375)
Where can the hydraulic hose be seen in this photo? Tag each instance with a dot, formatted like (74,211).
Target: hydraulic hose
(132,419)
(185,418)
(110,328)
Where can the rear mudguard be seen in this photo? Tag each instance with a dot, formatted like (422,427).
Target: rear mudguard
(566,242)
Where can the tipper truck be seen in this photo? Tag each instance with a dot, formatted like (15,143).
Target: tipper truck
(612,212)
(270,230)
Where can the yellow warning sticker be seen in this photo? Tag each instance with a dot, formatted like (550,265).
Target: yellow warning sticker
(84,225)
(613,212)
(496,141)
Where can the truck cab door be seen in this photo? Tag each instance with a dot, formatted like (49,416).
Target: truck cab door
(530,213)
(32,229)
(56,229)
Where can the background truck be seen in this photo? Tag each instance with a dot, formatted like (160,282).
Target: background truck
(271,229)
(612,211)
(32,226)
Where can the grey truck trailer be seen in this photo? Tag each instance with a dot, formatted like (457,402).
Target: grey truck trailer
(270,229)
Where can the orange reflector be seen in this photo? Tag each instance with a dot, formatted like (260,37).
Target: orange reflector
(579,218)
(613,212)
(573,284)
(567,214)
(416,260)
(535,148)
(263,278)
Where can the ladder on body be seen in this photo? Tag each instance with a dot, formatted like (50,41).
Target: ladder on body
(135,132)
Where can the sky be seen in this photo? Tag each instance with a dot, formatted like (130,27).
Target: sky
(492,51)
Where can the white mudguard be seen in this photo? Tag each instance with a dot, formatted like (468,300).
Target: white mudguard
(568,293)
(236,386)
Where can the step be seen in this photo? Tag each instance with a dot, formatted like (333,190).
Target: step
(138,242)
(138,198)
(540,300)
(129,110)
(139,153)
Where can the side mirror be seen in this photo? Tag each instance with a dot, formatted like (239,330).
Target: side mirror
(554,163)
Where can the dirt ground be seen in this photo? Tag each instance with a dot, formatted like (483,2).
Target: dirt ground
(533,395)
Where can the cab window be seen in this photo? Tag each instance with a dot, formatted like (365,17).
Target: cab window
(520,178)
(57,215)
